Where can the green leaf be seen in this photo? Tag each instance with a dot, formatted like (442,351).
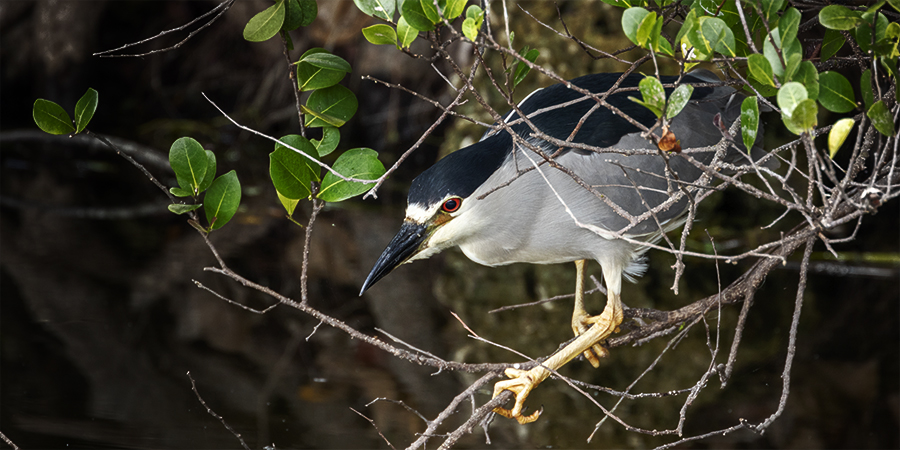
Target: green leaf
(222,200)
(837,17)
(712,35)
(380,34)
(678,99)
(84,109)
(793,63)
(290,204)
(310,11)
(210,171)
(292,173)
(788,25)
(383,9)
(881,118)
(832,42)
(293,15)
(838,135)
(359,163)
(179,208)
(654,96)
(804,115)
(771,54)
(863,32)
(770,8)
(631,22)
(764,90)
(475,12)
(644,36)
(835,92)
(809,77)
(330,138)
(325,60)
(789,96)
(179,192)
(454,9)
(749,121)
(407,34)
(310,77)
(189,161)
(474,19)
(760,69)
(265,24)
(690,21)
(430,11)
(412,11)
(333,106)
(895,4)
(51,118)
(520,69)
(865,84)
(469,29)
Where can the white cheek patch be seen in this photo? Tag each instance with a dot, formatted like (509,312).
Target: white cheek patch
(419,213)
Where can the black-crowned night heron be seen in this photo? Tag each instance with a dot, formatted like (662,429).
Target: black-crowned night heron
(501,203)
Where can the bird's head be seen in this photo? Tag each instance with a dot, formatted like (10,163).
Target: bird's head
(438,213)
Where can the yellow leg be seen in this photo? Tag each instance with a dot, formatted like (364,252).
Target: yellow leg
(521,382)
(581,321)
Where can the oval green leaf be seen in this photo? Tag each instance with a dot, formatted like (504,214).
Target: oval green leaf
(310,77)
(788,25)
(330,138)
(760,69)
(809,77)
(631,21)
(359,163)
(189,161)
(789,96)
(325,60)
(837,17)
(881,118)
(454,9)
(265,24)
(749,121)
(293,15)
(415,15)
(51,118)
(835,92)
(407,34)
(770,8)
(431,11)
(678,99)
(382,9)
(292,173)
(210,171)
(832,42)
(85,108)
(222,200)
(179,208)
(380,34)
(838,135)
(332,106)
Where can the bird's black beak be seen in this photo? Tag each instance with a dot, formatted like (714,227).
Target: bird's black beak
(404,245)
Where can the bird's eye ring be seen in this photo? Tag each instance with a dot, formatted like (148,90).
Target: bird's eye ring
(451,205)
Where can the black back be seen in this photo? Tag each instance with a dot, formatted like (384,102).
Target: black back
(463,171)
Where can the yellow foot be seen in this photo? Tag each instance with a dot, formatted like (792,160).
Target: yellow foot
(521,384)
(581,321)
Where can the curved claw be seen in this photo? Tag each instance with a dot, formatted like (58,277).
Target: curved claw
(521,383)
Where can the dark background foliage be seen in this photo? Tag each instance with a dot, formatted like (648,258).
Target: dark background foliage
(101,320)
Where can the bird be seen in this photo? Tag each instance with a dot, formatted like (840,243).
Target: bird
(565,178)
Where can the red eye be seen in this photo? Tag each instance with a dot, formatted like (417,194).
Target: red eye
(451,205)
